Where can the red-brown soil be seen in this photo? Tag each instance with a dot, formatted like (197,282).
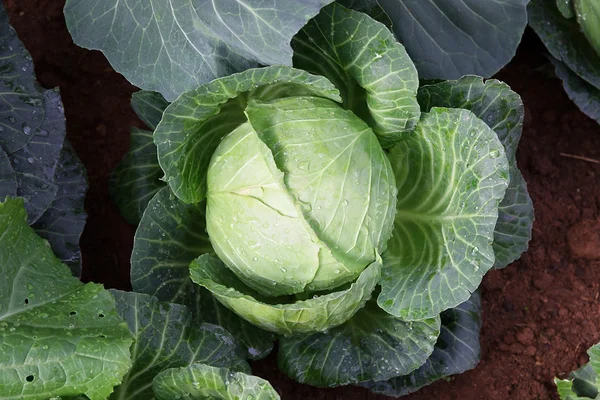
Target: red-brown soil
(540,313)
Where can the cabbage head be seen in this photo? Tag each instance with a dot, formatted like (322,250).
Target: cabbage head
(336,204)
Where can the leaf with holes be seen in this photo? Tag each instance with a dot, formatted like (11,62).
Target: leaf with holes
(58,337)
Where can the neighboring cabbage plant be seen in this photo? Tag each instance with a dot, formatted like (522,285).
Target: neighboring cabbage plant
(334,205)
(583,384)
(570,30)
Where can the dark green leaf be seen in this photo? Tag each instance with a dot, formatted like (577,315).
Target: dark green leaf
(58,337)
(502,109)
(63,222)
(149,106)
(8,177)
(447,39)
(456,351)
(564,40)
(170,235)
(200,381)
(176,45)
(584,95)
(137,177)
(372,345)
(167,336)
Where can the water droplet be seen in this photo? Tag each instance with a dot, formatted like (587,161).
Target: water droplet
(255,258)
(283,270)
(26,130)
(345,202)
(30,160)
(495,153)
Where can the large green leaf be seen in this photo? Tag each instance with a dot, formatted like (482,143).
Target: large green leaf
(584,383)
(564,40)
(456,351)
(315,314)
(372,345)
(137,177)
(171,234)
(200,381)
(168,336)
(584,95)
(375,76)
(447,39)
(502,109)
(451,174)
(172,46)
(193,125)
(149,106)
(58,337)
(63,221)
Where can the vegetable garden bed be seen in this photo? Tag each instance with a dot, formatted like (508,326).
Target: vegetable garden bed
(540,314)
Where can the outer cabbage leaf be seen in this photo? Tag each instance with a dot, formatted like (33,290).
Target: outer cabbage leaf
(447,39)
(200,381)
(172,46)
(167,336)
(451,174)
(502,109)
(584,95)
(456,351)
(582,384)
(372,345)
(193,125)
(171,234)
(375,76)
(137,177)
(564,40)
(58,337)
(63,221)
(315,314)
(149,106)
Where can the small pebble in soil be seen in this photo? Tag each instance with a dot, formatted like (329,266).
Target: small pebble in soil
(584,239)
(525,336)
